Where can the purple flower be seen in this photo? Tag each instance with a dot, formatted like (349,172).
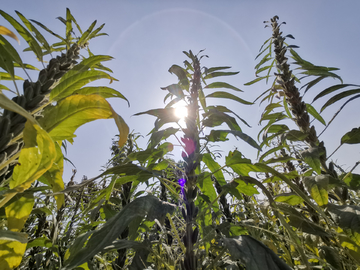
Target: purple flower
(182,182)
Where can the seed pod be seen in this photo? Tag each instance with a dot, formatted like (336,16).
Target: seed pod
(59,74)
(195,235)
(3,157)
(42,76)
(183,213)
(20,100)
(29,92)
(12,149)
(46,86)
(5,140)
(37,88)
(188,210)
(52,72)
(3,171)
(31,104)
(52,63)
(26,84)
(4,126)
(17,129)
(17,119)
(196,211)
(65,66)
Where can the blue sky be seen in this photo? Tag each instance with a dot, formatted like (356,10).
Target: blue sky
(147,37)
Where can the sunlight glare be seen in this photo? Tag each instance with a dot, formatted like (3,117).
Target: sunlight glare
(181,112)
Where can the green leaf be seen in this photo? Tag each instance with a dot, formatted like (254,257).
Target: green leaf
(244,137)
(51,32)
(85,36)
(213,118)
(181,74)
(312,157)
(272,150)
(225,109)
(245,188)
(351,137)
(348,218)
(62,120)
(174,89)
(13,236)
(340,96)
(331,256)
(317,187)
(295,135)
(352,180)
(332,89)
(71,82)
(206,186)
(149,207)
(214,167)
(39,242)
(217,136)
(289,198)
(157,136)
(213,69)
(306,226)
(103,91)
(164,116)
(222,85)
(256,80)
(221,94)
(25,34)
(254,254)
(37,34)
(310,109)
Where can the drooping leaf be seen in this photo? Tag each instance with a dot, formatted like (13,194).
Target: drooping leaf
(305,225)
(351,137)
(332,89)
(149,207)
(352,180)
(70,113)
(245,188)
(181,74)
(339,97)
(174,89)
(221,94)
(105,92)
(254,254)
(7,32)
(348,218)
(206,186)
(225,110)
(222,85)
(331,256)
(244,137)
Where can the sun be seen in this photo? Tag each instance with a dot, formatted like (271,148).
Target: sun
(181,110)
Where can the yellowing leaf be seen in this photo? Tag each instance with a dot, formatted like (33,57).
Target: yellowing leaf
(18,212)
(7,32)
(11,253)
(54,176)
(35,159)
(70,113)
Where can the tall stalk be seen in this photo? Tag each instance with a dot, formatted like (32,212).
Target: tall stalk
(191,157)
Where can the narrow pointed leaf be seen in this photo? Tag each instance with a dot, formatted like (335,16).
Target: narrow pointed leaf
(222,85)
(18,212)
(48,30)
(7,32)
(339,97)
(332,89)
(218,74)
(103,91)
(310,109)
(149,207)
(221,94)
(85,36)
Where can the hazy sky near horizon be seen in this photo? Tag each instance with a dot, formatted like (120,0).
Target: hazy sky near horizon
(147,37)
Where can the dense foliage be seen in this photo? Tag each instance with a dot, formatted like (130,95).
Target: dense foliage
(291,208)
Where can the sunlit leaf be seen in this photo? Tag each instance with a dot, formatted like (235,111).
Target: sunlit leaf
(206,186)
(18,212)
(174,89)
(312,157)
(305,225)
(7,32)
(11,254)
(105,92)
(214,167)
(54,176)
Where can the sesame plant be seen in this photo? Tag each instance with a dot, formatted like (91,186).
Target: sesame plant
(35,121)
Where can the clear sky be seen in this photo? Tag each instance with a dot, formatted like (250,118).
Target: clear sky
(147,37)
